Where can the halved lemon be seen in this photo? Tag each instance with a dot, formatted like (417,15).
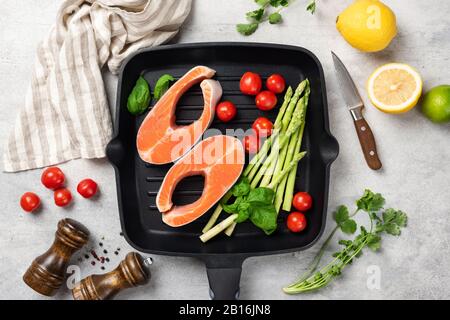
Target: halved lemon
(394,88)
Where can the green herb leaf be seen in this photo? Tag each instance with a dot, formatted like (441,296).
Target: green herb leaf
(395,216)
(277,3)
(374,242)
(247,29)
(348,226)
(162,85)
(242,188)
(256,15)
(262,3)
(243,212)
(311,7)
(370,201)
(341,214)
(265,218)
(239,207)
(139,99)
(392,229)
(275,18)
(261,196)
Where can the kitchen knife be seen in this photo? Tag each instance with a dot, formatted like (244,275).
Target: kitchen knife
(355,105)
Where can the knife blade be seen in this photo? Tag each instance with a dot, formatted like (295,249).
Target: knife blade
(355,104)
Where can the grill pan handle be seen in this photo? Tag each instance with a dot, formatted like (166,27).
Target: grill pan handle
(224,276)
(115,151)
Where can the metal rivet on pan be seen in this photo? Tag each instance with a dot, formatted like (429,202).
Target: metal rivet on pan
(372,153)
(363,128)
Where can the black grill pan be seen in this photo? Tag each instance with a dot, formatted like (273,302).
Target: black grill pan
(138,182)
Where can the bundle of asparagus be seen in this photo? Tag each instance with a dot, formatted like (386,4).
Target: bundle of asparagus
(271,172)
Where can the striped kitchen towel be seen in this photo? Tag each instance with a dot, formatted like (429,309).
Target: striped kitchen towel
(66,114)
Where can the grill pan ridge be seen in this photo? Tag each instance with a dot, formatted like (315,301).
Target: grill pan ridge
(138,182)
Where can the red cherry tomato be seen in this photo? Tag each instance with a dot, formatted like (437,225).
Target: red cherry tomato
(296,222)
(62,197)
(266,100)
(250,83)
(263,127)
(53,178)
(251,143)
(87,188)
(302,201)
(30,201)
(276,83)
(226,111)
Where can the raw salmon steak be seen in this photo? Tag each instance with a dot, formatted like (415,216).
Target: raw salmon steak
(220,159)
(160,140)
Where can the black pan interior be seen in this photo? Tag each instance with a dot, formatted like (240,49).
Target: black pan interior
(138,182)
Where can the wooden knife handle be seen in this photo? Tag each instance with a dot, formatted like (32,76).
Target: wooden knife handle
(368,145)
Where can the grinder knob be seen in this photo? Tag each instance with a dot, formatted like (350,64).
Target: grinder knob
(133,271)
(46,273)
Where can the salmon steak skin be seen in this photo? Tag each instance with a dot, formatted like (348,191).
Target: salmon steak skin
(220,160)
(160,140)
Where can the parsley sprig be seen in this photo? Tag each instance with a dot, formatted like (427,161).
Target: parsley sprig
(388,221)
(269,10)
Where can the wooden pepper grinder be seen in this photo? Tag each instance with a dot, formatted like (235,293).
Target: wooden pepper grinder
(133,271)
(46,273)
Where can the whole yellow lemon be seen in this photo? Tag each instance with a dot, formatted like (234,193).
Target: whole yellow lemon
(368,25)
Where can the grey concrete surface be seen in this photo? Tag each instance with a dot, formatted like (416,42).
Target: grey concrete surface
(415,154)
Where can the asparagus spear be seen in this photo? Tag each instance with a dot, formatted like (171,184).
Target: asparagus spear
(218,228)
(277,127)
(292,128)
(290,184)
(280,126)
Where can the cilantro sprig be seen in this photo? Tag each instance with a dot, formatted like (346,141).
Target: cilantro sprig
(269,10)
(389,221)
(262,14)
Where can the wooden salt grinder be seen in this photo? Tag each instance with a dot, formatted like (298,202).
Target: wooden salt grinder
(133,271)
(46,273)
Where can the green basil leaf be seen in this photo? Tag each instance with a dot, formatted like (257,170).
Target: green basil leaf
(230,208)
(241,188)
(162,85)
(247,29)
(265,218)
(261,196)
(139,99)
(243,212)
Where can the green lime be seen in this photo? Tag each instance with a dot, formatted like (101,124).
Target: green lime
(436,104)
